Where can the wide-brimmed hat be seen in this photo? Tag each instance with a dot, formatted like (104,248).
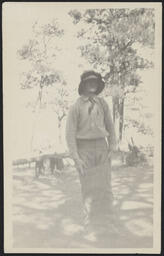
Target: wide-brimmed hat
(88,75)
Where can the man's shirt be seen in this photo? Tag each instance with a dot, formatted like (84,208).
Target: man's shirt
(81,124)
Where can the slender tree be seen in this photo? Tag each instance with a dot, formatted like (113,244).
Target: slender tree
(40,53)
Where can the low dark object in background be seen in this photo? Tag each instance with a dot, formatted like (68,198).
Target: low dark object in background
(48,164)
(44,164)
(135,156)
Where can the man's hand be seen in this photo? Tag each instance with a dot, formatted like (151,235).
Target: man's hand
(80,166)
(110,154)
(113,148)
(111,151)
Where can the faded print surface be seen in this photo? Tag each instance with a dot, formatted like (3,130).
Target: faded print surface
(48,47)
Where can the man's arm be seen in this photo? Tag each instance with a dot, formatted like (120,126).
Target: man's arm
(109,127)
(71,129)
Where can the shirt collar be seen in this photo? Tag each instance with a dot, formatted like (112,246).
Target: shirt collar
(86,98)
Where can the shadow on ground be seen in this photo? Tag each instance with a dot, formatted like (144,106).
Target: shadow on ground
(48,211)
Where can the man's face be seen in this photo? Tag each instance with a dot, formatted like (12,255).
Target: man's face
(91,87)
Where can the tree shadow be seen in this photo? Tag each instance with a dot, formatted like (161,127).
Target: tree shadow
(48,211)
(133,193)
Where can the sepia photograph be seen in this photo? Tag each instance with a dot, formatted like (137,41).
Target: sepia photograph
(82,127)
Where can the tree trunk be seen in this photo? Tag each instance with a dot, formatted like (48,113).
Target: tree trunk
(115,101)
(60,135)
(39,105)
(60,164)
(60,119)
(118,117)
(121,112)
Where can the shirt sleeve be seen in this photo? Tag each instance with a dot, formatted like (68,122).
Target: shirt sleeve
(71,129)
(109,126)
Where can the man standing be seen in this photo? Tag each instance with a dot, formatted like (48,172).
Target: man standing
(91,139)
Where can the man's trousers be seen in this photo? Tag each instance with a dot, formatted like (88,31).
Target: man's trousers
(96,183)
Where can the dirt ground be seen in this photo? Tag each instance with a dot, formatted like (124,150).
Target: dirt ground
(47,212)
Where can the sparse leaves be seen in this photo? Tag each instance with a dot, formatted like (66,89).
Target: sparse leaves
(40,53)
(109,44)
(76,15)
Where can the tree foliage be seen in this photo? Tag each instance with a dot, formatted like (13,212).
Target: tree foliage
(40,52)
(109,41)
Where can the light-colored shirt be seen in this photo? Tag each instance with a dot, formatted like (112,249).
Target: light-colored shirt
(82,125)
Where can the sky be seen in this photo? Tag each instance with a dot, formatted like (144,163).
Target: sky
(18,20)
